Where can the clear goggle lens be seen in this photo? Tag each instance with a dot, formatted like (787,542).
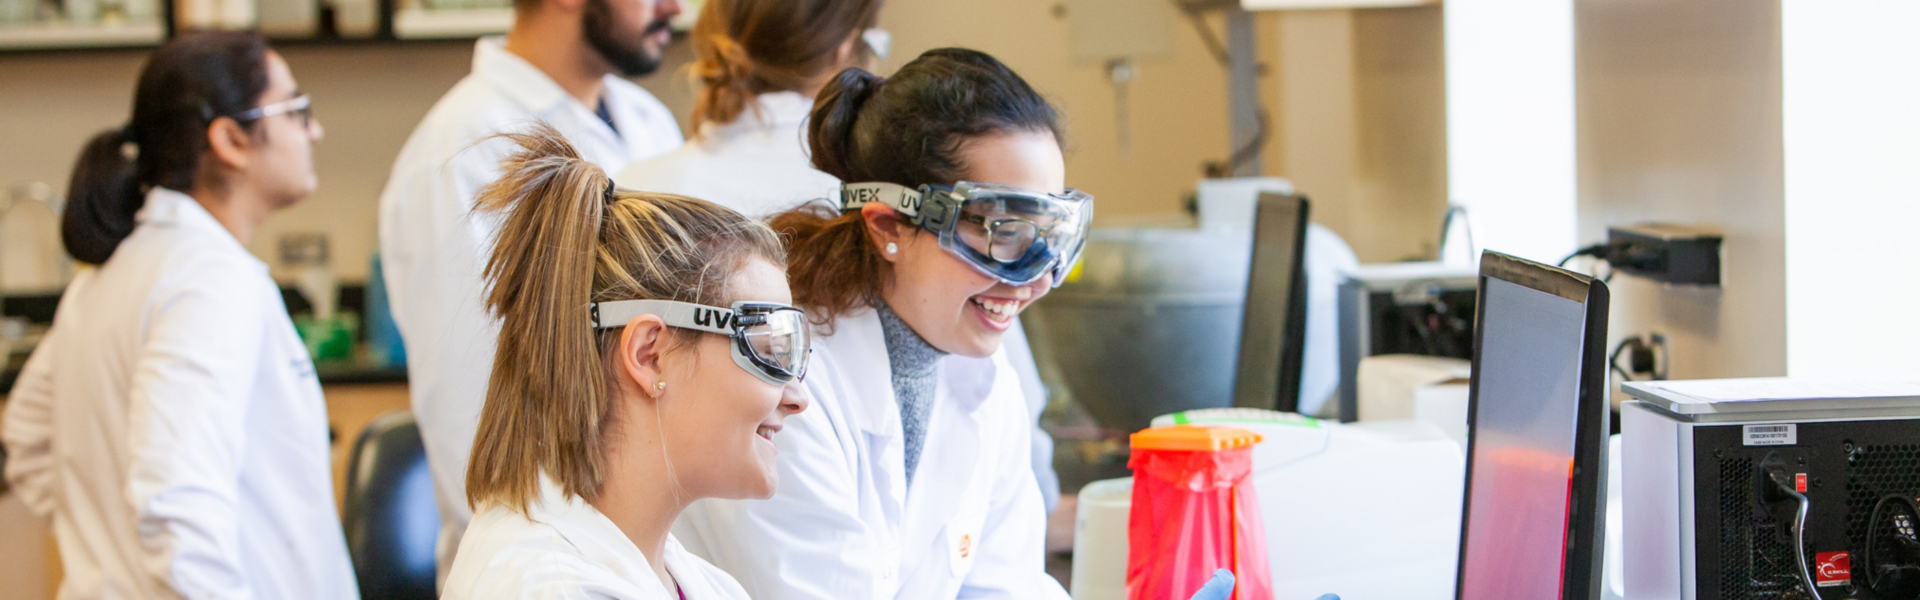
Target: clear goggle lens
(996,230)
(777,339)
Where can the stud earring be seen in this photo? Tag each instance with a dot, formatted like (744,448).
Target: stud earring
(659,386)
(892,248)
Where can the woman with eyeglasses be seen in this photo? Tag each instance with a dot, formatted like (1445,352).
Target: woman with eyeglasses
(648,356)
(170,422)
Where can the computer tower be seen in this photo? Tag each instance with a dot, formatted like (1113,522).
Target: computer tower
(1763,489)
(1423,308)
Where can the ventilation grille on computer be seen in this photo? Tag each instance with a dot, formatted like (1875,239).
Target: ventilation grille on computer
(1756,551)
(1874,472)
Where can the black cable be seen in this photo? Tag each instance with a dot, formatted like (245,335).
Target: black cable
(1259,139)
(1780,480)
(1800,542)
(1873,529)
(1599,250)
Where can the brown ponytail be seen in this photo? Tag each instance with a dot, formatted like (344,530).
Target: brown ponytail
(565,243)
(744,48)
(186,84)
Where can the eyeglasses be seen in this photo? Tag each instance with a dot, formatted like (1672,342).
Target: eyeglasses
(300,106)
(1009,239)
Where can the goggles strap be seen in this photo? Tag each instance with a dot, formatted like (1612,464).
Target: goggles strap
(677,314)
(899,197)
(933,208)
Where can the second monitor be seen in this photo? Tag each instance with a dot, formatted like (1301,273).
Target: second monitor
(1273,324)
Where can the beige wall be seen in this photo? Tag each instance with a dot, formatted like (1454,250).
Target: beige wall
(1178,103)
(1679,121)
(1362,124)
(1387,202)
(369,97)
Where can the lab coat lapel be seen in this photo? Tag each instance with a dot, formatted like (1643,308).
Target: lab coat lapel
(944,480)
(865,374)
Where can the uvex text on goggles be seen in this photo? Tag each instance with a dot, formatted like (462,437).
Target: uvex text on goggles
(1013,234)
(771,341)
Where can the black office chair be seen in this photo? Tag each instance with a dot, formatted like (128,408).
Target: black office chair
(391,517)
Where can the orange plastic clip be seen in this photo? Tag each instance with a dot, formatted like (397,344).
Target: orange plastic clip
(1205,438)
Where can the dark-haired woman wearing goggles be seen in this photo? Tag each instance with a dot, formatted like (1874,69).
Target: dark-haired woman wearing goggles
(911,476)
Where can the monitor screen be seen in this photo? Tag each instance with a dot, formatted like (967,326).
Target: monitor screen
(1526,424)
(1272,326)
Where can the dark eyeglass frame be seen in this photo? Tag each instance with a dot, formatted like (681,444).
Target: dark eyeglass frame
(993,225)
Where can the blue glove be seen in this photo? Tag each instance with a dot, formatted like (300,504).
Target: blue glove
(1220,588)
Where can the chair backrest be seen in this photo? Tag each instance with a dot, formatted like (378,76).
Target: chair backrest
(391,518)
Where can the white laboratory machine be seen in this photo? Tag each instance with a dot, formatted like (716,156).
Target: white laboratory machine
(1772,488)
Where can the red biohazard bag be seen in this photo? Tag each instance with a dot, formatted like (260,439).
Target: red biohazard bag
(1193,512)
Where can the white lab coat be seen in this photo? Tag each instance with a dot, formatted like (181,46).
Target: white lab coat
(758,164)
(565,549)
(434,249)
(843,524)
(171,424)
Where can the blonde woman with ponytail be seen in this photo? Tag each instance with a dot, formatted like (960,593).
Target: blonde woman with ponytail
(647,356)
(759,65)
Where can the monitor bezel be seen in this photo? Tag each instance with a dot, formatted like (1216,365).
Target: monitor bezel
(1288,370)
(1586,520)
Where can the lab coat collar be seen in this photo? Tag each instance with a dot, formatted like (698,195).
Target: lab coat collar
(964,381)
(516,78)
(169,208)
(857,336)
(532,88)
(772,110)
(602,542)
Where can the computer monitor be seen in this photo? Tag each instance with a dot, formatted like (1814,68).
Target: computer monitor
(1273,324)
(1537,426)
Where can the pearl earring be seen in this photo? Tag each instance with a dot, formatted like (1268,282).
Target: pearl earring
(660,386)
(892,248)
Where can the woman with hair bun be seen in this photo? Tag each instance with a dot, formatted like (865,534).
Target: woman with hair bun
(170,422)
(759,64)
(648,357)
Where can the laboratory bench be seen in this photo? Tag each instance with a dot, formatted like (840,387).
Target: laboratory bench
(38,309)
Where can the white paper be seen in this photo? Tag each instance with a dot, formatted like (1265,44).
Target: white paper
(1787,388)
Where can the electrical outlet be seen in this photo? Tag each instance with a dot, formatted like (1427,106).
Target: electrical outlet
(1665,253)
(1641,357)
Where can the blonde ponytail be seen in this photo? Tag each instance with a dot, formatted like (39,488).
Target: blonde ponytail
(567,240)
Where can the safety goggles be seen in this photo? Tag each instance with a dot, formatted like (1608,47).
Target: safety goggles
(1013,234)
(771,341)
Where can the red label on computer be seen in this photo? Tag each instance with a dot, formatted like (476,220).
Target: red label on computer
(1831,569)
(1800,482)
